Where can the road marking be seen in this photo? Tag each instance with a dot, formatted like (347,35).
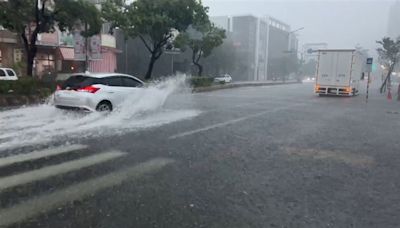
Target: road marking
(227,122)
(42,204)
(39,154)
(49,171)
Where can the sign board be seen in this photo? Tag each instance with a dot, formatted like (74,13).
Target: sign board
(369,65)
(95,47)
(79,46)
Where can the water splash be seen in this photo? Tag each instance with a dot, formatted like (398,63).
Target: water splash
(44,123)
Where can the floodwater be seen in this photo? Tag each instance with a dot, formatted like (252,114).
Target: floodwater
(42,124)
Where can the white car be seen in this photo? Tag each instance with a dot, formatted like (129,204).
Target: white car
(224,78)
(96,92)
(8,74)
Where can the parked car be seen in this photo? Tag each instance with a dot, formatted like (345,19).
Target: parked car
(226,78)
(8,74)
(96,92)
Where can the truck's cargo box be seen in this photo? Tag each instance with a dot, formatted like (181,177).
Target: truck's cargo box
(338,72)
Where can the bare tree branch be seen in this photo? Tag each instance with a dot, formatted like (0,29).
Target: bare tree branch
(146,44)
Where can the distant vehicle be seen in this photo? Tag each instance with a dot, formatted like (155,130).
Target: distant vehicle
(226,78)
(8,74)
(338,72)
(96,92)
(309,79)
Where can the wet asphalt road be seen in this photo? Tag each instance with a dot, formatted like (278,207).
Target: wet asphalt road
(275,156)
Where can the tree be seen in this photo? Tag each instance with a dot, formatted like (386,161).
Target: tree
(309,68)
(154,22)
(201,40)
(30,18)
(223,59)
(389,54)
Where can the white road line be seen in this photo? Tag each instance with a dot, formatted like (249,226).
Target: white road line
(49,171)
(39,154)
(227,122)
(45,203)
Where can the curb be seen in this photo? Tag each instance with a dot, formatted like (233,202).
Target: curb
(232,86)
(7,101)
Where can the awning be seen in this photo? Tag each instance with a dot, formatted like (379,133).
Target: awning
(67,53)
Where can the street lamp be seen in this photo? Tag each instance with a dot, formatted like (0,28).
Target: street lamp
(290,36)
(296,30)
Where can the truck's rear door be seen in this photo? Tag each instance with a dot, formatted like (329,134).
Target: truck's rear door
(343,68)
(326,68)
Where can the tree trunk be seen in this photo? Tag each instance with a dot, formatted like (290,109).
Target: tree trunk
(30,49)
(199,69)
(29,65)
(384,84)
(150,67)
(196,55)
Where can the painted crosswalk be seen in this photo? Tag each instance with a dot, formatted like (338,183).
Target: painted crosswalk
(39,154)
(42,203)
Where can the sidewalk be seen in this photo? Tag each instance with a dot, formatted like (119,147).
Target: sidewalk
(242,84)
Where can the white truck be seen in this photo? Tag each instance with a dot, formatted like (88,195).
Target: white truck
(338,72)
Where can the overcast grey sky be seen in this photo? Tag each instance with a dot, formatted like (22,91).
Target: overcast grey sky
(340,23)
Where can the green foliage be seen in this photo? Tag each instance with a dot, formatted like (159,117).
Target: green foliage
(389,53)
(155,22)
(201,81)
(223,59)
(69,13)
(209,38)
(18,67)
(19,16)
(26,86)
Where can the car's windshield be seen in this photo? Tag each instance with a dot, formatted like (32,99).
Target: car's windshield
(199,113)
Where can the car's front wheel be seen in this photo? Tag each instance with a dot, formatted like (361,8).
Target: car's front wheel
(104,106)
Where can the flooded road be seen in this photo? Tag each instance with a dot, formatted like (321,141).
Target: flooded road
(273,156)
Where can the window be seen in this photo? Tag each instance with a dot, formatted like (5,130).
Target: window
(18,55)
(113,81)
(77,81)
(10,73)
(2,73)
(130,82)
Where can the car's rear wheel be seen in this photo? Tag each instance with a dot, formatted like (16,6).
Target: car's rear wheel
(104,106)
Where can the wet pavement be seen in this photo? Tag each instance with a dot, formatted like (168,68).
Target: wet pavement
(274,156)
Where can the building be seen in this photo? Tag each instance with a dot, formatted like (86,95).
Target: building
(245,36)
(394,20)
(265,46)
(134,59)
(224,22)
(10,49)
(282,48)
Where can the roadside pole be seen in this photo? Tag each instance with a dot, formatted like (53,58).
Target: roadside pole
(86,49)
(368,82)
(369,69)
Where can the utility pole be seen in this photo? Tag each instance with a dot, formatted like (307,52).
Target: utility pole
(369,69)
